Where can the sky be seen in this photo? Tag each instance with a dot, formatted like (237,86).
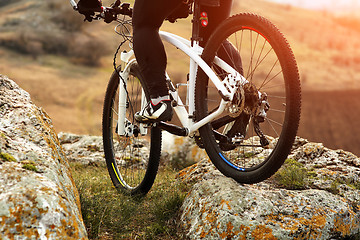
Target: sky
(330,5)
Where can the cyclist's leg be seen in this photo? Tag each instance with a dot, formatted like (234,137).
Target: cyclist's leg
(148,16)
(227,52)
(216,15)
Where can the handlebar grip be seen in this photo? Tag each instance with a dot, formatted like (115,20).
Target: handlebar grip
(74,4)
(84,6)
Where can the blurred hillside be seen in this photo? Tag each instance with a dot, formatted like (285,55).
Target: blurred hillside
(64,63)
(326,47)
(338,7)
(41,27)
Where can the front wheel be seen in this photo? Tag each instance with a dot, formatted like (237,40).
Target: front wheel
(252,138)
(132,152)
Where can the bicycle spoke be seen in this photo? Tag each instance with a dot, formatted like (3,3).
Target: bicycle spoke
(266,80)
(276,110)
(260,61)
(273,128)
(272,87)
(276,96)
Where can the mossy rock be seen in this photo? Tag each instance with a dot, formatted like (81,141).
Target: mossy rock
(293,175)
(6,157)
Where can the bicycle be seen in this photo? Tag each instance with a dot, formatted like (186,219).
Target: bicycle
(243,109)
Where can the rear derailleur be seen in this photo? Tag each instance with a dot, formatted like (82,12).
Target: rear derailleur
(254,108)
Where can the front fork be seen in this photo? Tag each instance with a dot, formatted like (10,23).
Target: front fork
(128,127)
(123,128)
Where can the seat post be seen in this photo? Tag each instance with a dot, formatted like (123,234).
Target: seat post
(195,37)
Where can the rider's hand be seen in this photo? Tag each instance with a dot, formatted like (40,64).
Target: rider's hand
(89,7)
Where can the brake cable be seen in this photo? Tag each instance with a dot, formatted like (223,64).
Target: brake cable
(118,73)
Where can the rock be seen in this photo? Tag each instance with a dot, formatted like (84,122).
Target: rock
(82,148)
(38,197)
(332,170)
(179,152)
(217,207)
(176,151)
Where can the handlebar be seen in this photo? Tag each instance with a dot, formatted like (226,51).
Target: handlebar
(109,14)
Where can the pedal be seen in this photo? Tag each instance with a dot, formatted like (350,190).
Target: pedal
(235,142)
(238,139)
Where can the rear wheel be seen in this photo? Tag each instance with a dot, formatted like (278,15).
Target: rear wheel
(252,138)
(132,157)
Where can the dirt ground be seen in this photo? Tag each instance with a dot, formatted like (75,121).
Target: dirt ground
(332,118)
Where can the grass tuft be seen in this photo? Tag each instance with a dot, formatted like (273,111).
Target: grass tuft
(292,175)
(109,214)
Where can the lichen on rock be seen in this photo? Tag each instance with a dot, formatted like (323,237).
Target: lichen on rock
(38,197)
(217,207)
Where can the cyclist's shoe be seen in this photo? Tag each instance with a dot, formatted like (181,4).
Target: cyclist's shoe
(155,113)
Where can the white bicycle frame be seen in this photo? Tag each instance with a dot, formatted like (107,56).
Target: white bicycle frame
(226,87)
